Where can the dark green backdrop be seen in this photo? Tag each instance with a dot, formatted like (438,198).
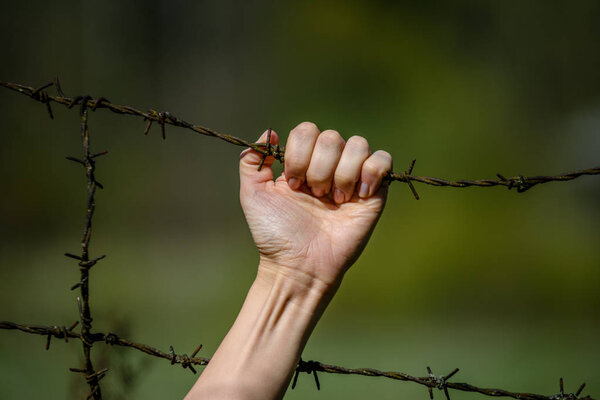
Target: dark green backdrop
(502,285)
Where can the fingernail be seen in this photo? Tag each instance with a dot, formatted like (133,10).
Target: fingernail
(364,190)
(338,196)
(294,183)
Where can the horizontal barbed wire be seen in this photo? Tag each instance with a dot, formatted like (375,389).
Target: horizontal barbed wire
(520,182)
(61,332)
(431,381)
(88,338)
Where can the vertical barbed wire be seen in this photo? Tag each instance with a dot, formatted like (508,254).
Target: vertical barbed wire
(85,263)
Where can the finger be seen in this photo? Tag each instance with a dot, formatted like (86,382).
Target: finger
(298,151)
(348,170)
(250,160)
(373,171)
(325,157)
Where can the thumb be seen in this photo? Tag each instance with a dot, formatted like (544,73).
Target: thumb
(250,160)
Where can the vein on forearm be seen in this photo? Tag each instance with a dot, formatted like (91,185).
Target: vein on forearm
(265,340)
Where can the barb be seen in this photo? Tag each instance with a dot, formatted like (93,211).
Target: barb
(183,359)
(520,182)
(440,382)
(568,396)
(310,367)
(49,332)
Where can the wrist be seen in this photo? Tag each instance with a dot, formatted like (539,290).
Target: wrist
(267,338)
(305,290)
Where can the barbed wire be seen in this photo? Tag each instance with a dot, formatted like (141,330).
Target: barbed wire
(430,381)
(112,339)
(520,183)
(85,263)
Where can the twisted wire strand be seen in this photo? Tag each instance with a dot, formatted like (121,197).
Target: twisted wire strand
(514,181)
(110,339)
(520,182)
(186,361)
(92,376)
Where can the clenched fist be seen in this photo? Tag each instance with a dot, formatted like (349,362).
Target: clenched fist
(312,222)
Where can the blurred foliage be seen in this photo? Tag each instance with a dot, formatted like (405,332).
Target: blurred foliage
(502,285)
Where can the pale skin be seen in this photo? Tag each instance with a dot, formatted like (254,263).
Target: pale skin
(309,225)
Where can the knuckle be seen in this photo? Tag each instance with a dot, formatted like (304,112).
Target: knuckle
(358,141)
(294,166)
(300,136)
(330,138)
(319,190)
(384,155)
(306,128)
(244,152)
(371,169)
(344,179)
(316,179)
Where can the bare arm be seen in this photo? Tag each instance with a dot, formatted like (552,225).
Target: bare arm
(310,225)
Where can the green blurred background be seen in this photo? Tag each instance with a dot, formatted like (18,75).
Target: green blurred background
(502,285)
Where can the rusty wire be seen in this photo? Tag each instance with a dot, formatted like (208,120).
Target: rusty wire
(520,183)
(430,381)
(89,338)
(85,263)
(112,339)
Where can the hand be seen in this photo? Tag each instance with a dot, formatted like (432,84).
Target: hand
(309,225)
(312,223)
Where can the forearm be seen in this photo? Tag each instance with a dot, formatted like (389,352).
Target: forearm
(307,237)
(257,357)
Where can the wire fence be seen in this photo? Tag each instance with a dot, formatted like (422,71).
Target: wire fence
(89,338)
